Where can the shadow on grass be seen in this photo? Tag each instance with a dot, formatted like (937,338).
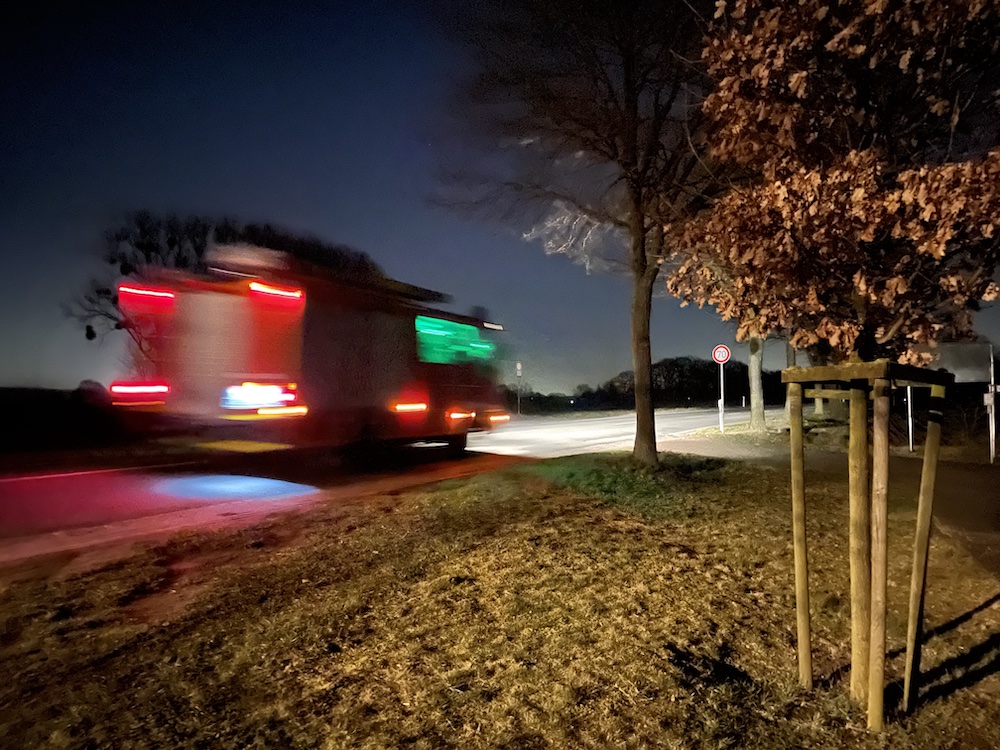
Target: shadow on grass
(699,669)
(961,671)
(951,675)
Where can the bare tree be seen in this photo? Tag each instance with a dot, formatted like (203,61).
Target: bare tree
(141,240)
(578,128)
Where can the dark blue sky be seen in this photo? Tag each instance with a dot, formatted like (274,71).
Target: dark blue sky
(318,120)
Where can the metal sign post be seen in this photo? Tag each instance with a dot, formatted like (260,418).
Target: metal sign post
(722,399)
(519,388)
(721,354)
(991,409)
(990,400)
(909,414)
(973,363)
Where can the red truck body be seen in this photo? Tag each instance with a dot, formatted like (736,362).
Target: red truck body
(270,341)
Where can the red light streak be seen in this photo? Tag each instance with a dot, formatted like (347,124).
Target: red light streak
(139,388)
(143,292)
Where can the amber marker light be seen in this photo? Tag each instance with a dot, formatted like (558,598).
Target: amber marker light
(283,411)
(462,415)
(409,408)
(496,418)
(275,291)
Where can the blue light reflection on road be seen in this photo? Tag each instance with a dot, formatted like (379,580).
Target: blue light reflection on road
(216,487)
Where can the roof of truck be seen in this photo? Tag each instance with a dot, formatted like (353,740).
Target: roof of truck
(342,268)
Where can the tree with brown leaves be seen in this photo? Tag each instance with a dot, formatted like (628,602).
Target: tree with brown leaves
(871,126)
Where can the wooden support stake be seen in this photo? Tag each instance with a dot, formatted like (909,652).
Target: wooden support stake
(860,544)
(880,562)
(921,548)
(799,534)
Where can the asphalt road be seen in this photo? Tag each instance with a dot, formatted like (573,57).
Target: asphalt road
(548,437)
(56,512)
(51,501)
(45,514)
(74,508)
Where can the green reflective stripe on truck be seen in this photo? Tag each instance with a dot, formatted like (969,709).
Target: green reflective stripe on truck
(447,342)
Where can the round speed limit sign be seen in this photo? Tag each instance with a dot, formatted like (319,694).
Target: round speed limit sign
(720,354)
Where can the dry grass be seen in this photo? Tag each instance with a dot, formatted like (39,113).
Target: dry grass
(581,602)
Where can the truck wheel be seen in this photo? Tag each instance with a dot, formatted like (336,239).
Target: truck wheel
(457,444)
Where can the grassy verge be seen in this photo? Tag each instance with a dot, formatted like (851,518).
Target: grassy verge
(581,602)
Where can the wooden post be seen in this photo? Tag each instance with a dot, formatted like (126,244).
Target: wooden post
(799,534)
(860,543)
(921,548)
(880,562)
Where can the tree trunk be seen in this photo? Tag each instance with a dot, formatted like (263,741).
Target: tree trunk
(757,423)
(819,404)
(818,359)
(644,449)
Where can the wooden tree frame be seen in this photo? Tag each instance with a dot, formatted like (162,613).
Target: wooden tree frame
(854,382)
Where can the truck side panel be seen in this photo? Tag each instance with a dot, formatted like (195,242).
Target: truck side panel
(355,361)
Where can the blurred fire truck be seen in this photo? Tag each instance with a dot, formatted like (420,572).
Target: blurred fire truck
(268,339)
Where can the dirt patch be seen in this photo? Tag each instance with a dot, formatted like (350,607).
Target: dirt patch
(37,569)
(172,593)
(189,573)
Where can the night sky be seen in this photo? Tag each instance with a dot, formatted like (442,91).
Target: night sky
(320,121)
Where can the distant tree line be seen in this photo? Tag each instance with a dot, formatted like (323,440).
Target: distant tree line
(676,381)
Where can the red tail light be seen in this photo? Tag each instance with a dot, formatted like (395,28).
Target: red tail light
(139,393)
(139,388)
